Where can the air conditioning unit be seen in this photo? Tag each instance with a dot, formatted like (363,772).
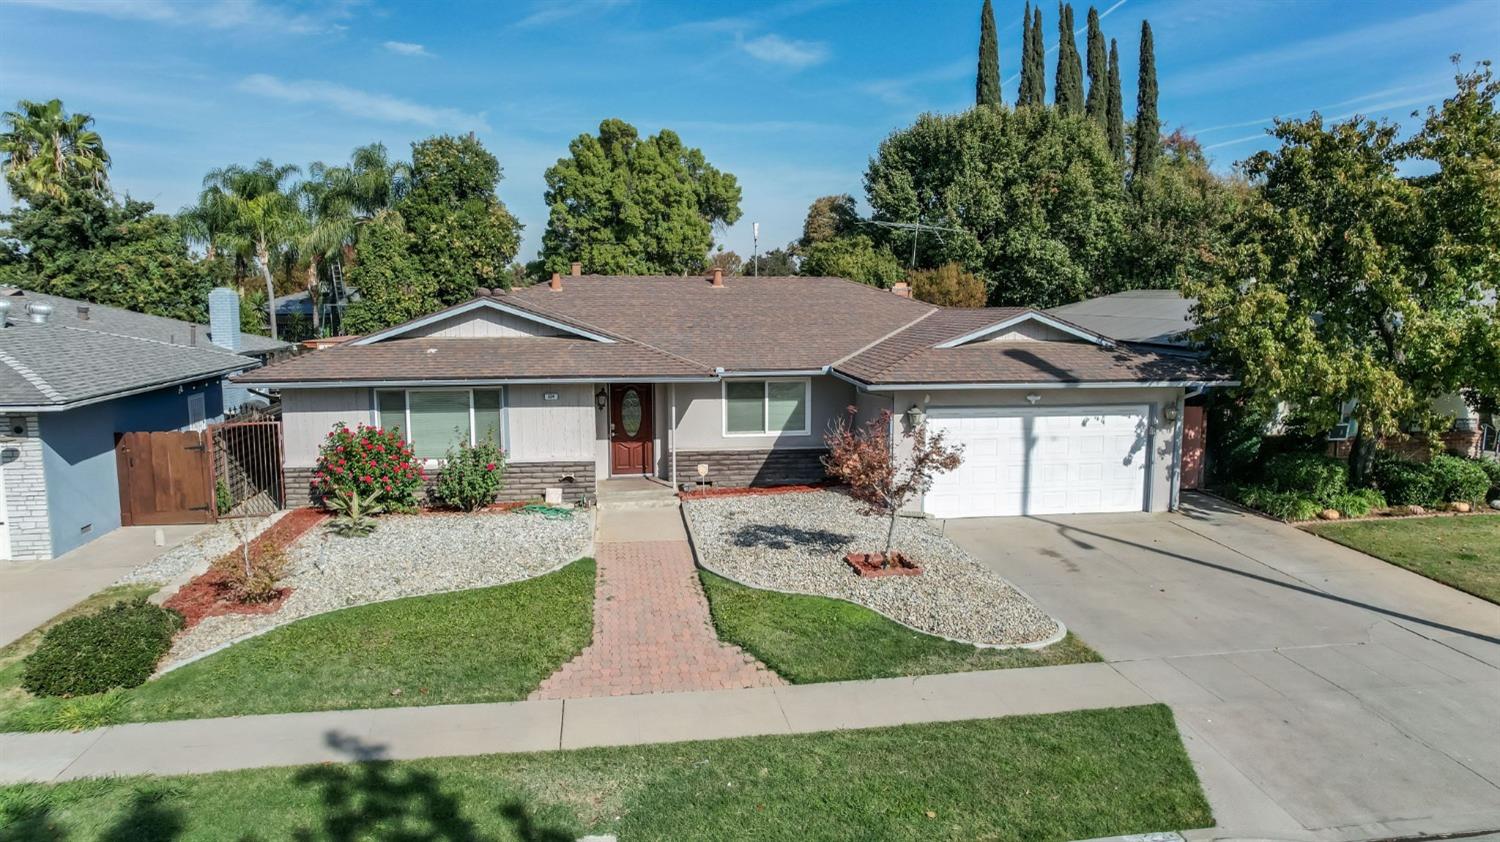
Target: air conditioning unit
(1343,431)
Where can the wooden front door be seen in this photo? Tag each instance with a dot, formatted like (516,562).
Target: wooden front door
(165,478)
(630,429)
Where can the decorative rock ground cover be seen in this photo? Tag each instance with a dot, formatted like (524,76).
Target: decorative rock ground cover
(796,543)
(198,551)
(408,555)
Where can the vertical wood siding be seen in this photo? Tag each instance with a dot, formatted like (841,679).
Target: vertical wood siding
(483,324)
(308,414)
(550,431)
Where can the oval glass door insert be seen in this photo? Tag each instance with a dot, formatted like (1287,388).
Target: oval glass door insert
(630,412)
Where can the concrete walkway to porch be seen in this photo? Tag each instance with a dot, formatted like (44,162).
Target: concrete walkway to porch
(652,629)
(33,592)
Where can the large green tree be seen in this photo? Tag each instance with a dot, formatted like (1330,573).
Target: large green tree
(95,248)
(1114,109)
(461,232)
(1097,106)
(829,217)
(1033,88)
(1035,194)
(393,285)
(987,79)
(623,204)
(856,257)
(1180,219)
(49,152)
(1146,144)
(1351,285)
(1069,93)
(260,208)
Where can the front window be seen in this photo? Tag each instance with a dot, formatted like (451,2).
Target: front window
(766,407)
(433,420)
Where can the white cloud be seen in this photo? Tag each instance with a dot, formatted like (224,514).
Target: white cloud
(552,11)
(773,49)
(357,103)
(405,48)
(211,14)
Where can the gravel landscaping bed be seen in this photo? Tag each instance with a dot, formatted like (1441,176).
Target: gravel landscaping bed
(408,555)
(196,553)
(796,543)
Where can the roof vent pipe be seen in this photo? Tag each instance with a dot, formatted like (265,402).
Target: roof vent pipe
(39,312)
(718,276)
(556,282)
(575,269)
(4,314)
(83,312)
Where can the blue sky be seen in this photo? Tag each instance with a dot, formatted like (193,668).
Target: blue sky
(791,97)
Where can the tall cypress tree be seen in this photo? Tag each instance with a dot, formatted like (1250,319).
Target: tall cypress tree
(1114,119)
(1023,91)
(1098,102)
(1038,60)
(1147,138)
(987,82)
(1069,93)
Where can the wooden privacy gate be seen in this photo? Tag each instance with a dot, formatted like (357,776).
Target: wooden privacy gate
(165,478)
(228,470)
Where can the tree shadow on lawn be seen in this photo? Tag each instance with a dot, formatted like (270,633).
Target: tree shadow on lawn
(375,799)
(778,536)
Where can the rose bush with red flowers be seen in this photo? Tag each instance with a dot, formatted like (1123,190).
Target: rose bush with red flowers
(369,460)
(472,476)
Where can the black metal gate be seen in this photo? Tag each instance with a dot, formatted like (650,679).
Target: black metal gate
(246,458)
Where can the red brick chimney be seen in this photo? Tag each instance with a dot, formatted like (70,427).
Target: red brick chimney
(556,282)
(902,288)
(718,277)
(575,269)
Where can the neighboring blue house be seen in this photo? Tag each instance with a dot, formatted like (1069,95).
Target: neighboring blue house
(73,375)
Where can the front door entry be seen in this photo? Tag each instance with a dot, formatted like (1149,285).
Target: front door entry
(630,429)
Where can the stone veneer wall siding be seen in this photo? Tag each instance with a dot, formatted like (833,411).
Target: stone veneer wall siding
(26,490)
(523,481)
(741,468)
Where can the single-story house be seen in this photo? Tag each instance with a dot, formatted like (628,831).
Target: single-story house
(738,379)
(75,375)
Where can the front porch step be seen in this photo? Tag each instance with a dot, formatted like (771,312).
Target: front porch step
(637,500)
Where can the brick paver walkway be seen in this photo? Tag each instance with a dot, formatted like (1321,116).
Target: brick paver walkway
(652,631)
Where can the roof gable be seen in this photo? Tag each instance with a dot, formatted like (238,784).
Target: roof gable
(1015,327)
(488,317)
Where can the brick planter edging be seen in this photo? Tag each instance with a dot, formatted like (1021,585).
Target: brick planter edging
(754,468)
(1062,629)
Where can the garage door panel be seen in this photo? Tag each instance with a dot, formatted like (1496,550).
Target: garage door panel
(1071,463)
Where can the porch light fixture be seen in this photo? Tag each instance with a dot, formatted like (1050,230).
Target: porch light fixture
(601,398)
(915,416)
(1170,413)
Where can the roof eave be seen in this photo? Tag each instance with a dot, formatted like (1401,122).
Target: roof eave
(63,406)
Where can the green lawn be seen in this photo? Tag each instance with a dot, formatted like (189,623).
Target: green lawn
(1460,551)
(483,645)
(1053,777)
(808,639)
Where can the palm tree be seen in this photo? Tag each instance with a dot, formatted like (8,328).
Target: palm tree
(262,213)
(49,152)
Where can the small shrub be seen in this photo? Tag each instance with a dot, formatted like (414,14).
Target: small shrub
(1491,468)
(223,500)
(1403,482)
(1455,479)
(472,476)
(1312,475)
(251,575)
(116,647)
(374,461)
(1285,505)
(1358,502)
(353,512)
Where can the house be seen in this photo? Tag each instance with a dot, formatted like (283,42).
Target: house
(1162,319)
(738,379)
(75,375)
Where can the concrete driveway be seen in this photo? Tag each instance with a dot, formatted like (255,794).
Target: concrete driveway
(1322,694)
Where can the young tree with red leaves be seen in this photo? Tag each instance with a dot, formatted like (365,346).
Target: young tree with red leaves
(864,458)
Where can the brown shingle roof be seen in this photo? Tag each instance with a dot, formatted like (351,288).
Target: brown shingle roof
(434,359)
(940,326)
(749,324)
(1041,362)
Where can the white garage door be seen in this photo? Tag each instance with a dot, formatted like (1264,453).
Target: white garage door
(1036,462)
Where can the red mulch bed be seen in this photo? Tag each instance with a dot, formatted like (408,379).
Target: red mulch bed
(206,596)
(761,491)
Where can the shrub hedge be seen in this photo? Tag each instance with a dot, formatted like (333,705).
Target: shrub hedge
(1456,479)
(1446,479)
(116,647)
(1321,478)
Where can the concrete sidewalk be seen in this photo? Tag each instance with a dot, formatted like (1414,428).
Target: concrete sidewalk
(207,745)
(33,592)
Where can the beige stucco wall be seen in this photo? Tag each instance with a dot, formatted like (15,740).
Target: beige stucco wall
(1161,435)
(700,417)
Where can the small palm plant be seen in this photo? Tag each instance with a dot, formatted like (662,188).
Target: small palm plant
(353,512)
